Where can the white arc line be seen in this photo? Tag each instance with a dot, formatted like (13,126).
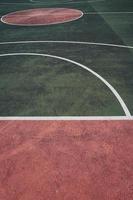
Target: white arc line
(68,42)
(116,94)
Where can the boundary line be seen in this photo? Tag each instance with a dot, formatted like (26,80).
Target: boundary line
(112,89)
(81,118)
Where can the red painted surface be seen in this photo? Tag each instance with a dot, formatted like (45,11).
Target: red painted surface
(66,160)
(42,16)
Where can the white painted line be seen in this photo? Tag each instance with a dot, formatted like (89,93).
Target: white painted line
(69,42)
(108,13)
(47,3)
(112,89)
(100,118)
(69,2)
(46,24)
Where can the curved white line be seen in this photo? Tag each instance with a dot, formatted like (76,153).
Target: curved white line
(69,42)
(116,94)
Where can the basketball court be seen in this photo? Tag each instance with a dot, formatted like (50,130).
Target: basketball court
(66,93)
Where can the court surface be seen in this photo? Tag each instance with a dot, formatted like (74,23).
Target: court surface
(66,99)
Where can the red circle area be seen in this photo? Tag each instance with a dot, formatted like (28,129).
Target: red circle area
(41,16)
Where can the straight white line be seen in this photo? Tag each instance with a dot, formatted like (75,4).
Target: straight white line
(47,3)
(112,89)
(108,13)
(69,2)
(82,118)
(69,42)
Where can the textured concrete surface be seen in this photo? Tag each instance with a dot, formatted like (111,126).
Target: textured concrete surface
(66,160)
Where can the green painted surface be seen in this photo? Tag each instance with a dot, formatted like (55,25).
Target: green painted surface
(38,86)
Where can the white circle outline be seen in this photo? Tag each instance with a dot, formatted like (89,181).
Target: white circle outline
(34,25)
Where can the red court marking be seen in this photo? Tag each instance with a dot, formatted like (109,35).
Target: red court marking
(42,16)
(66,160)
